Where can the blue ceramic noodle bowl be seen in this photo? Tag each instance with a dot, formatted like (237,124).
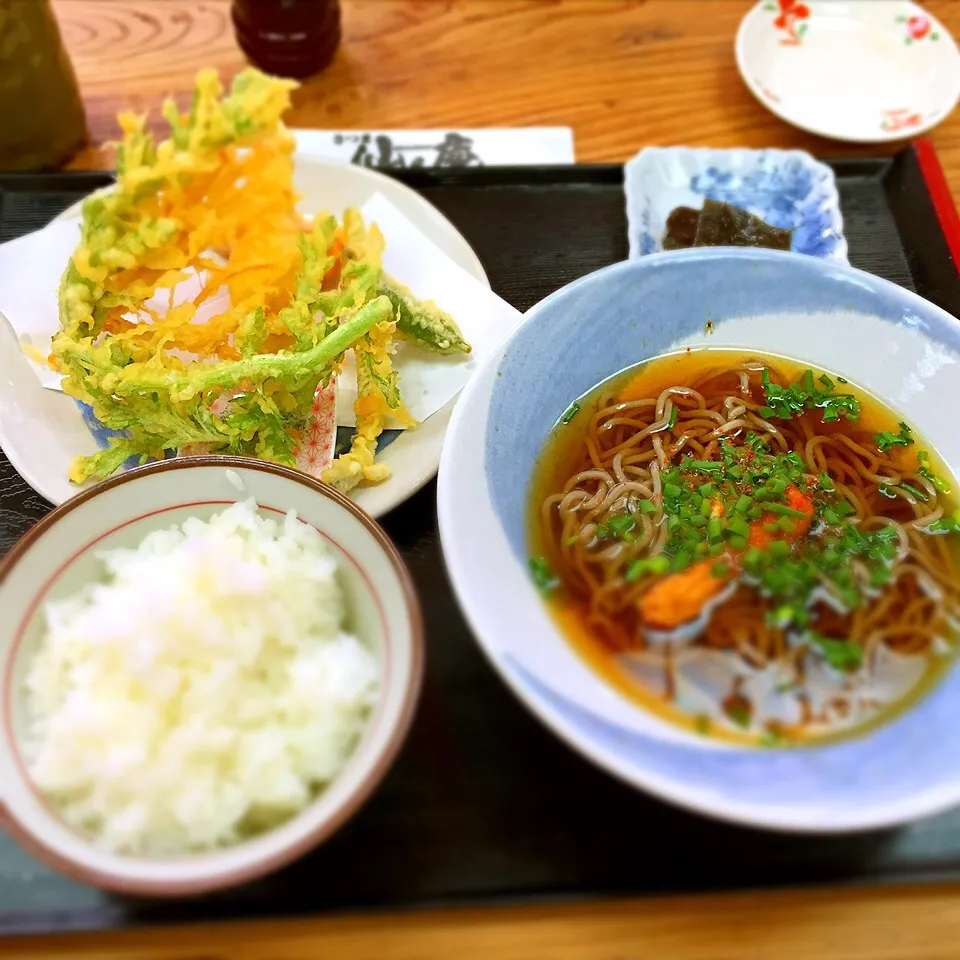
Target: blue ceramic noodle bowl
(893,343)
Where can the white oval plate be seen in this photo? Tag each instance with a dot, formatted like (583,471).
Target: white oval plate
(867,71)
(41,431)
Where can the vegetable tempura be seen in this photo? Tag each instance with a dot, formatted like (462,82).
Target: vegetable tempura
(215,204)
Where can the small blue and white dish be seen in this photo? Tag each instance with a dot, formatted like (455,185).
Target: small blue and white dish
(785,188)
(888,340)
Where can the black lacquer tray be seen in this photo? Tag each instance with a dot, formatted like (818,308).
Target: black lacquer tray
(484,805)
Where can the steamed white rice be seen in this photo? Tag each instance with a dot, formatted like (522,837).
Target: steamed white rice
(205,690)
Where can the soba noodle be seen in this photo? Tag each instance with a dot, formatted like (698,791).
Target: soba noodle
(610,481)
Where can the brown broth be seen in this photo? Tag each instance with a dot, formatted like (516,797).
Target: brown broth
(563,451)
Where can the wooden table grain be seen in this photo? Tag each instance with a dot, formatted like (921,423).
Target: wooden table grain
(623,74)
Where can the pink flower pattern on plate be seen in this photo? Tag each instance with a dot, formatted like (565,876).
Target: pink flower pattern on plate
(791,20)
(918,28)
(893,121)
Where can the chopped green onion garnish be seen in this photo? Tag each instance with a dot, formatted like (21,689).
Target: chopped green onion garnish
(621,524)
(658,565)
(740,526)
(917,494)
(885,440)
(786,511)
(543,576)
(572,411)
(840,654)
(783,403)
(637,568)
(830,558)
(923,458)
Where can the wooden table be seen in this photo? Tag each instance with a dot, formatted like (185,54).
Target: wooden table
(622,73)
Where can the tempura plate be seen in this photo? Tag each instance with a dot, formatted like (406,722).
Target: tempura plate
(42,431)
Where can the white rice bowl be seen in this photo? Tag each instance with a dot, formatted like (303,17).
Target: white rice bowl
(206,689)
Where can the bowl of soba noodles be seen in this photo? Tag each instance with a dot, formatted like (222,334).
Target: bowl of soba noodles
(702,513)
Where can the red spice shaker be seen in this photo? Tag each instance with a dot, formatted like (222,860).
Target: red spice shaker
(289,38)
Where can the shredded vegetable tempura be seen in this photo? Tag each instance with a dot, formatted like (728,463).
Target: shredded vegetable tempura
(216,202)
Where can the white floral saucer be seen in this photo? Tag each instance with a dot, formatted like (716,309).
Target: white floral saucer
(860,70)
